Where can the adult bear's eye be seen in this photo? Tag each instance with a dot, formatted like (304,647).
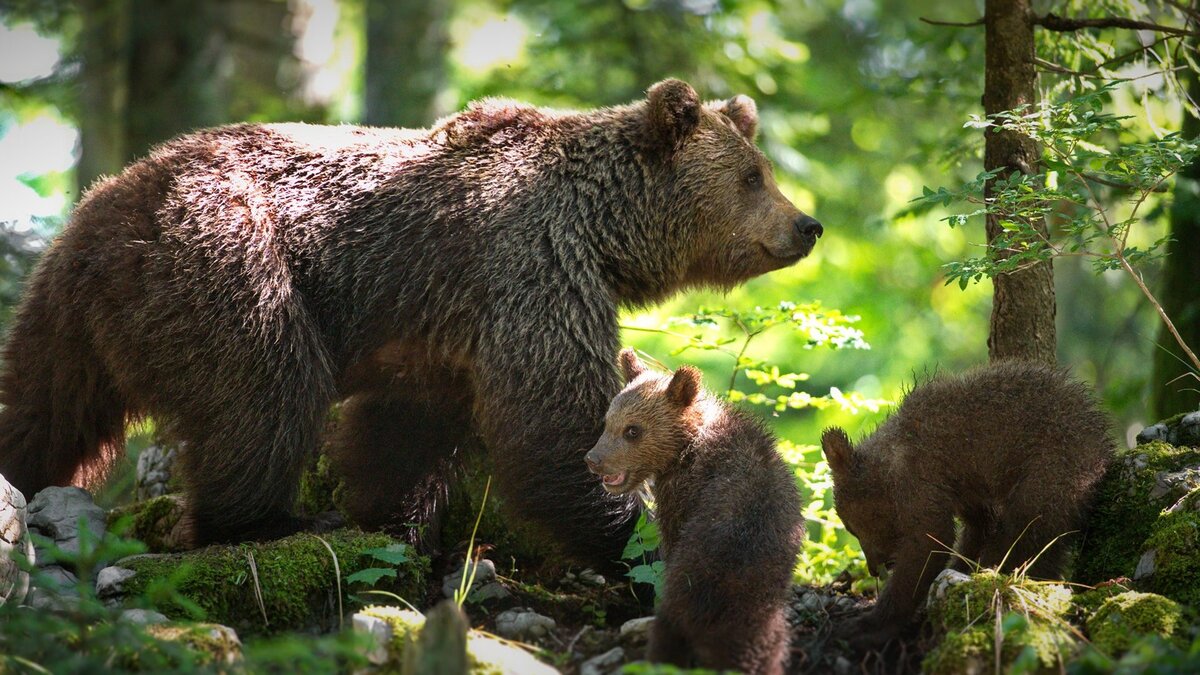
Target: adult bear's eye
(632,432)
(754,178)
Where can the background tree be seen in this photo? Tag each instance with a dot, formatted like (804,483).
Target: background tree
(405,69)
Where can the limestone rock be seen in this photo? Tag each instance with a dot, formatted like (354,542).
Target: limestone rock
(14,540)
(154,469)
(520,623)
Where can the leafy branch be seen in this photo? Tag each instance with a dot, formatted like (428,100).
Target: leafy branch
(1080,156)
(731,332)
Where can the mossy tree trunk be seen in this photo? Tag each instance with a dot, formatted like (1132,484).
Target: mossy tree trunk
(1172,390)
(1023,305)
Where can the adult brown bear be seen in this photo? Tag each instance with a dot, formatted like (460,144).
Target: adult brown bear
(454,284)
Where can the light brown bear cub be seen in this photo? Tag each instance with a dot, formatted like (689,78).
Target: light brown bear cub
(728,512)
(1014,450)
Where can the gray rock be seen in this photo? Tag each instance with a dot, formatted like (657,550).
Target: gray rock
(493,590)
(14,541)
(1145,566)
(57,514)
(608,662)
(485,573)
(591,578)
(53,588)
(520,623)
(1175,484)
(1154,432)
(142,617)
(110,582)
(154,468)
(637,630)
(1185,431)
(379,634)
(943,581)
(1188,502)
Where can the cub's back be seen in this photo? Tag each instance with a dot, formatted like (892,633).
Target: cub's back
(997,420)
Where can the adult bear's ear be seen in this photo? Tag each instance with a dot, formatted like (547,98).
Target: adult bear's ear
(742,111)
(684,386)
(838,450)
(673,112)
(631,365)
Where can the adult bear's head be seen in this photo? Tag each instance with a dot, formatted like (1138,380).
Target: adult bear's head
(719,200)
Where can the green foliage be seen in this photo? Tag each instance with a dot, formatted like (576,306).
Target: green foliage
(392,554)
(829,549)
(730,332)
(642,549)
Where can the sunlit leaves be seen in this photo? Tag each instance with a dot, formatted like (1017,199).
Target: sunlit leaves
(1085,168)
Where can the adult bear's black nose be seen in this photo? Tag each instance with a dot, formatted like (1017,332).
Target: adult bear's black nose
(807,226)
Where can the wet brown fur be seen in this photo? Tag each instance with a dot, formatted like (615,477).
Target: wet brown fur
(1015,450)
(728,511)
(240,279)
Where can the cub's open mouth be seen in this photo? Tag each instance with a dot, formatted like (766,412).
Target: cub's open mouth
(613,480)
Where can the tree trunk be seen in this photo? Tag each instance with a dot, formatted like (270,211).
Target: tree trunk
(176,82)
(1023,308)
(102,90)
(407,42)
(1172,390)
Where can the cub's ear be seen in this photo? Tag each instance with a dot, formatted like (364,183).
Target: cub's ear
(684,386)
(742,111)
(631,365)
(674,112)
(838,450)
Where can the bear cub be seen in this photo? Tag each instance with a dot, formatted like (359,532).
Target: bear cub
(728,513)
(1014,450)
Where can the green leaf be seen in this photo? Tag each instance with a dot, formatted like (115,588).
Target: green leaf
(393,554)
(371,575)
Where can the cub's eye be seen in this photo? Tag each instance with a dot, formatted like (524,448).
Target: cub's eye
(632,432)
(753,179)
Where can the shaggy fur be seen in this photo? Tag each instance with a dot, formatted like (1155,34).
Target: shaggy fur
(1015,450)
(238,280)
(728,511)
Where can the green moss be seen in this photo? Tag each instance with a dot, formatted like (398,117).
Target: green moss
(317,487)
(213,644)
(1125,618)
(1087,602)
(154,522)
(487,655)
(1176,543)
(977,601)
(1025,647)
(1124,513)
(295,578)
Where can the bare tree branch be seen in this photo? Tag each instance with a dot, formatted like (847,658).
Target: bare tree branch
(1061,24)
(954,24)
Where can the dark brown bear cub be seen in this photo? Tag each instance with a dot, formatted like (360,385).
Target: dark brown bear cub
(728,511)
(1014,450)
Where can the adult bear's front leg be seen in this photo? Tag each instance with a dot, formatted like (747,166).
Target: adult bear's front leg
(541,395)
